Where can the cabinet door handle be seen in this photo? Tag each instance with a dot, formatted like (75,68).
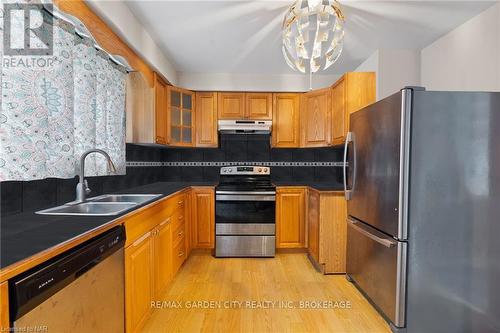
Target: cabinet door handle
(166,221)
(180,233)
(140,240)
(180,202)
(180,217)
(180,254)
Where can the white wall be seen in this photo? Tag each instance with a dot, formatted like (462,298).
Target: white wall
(394,69)
(253,82)
(467,58)
(123,22)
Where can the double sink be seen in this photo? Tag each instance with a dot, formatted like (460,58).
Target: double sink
(103,205)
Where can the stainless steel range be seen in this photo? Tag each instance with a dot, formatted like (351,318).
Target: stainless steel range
(245,209)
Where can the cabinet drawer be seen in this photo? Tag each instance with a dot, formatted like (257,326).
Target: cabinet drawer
(178,232)
(176,204)
(142,222)
(178,255)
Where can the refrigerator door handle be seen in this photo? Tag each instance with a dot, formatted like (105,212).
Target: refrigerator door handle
(387,242)
(347,192)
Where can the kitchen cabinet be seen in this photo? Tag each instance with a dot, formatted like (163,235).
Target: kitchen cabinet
(203,202)
(138,282)
(315,118)
(327,230)
(286,120)
(290,219)
(155,238)
(140,110)
(188,208)
(4,310)
(313,224)
(206,119)
(181,117)
(162,245)
(160,109)
(231,105)
(259,106)
(353,91)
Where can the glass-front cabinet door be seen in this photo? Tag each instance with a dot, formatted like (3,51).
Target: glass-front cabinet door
(181,116)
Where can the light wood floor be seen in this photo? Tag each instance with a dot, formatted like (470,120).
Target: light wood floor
(289,278)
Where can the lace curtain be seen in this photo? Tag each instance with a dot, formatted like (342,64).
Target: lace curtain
(56,107)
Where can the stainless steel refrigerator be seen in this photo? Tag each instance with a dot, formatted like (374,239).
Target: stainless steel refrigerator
(423,188)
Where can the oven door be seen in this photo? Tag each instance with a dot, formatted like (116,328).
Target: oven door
(245,207)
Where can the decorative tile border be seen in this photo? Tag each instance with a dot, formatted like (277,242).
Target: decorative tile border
(133,164)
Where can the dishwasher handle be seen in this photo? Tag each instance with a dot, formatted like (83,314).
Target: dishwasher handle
(30,289)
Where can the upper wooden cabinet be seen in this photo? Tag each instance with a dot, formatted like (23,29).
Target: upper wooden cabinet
(290,210)
(140,110)
(286,117)
(353,91)
(231,105)
(240,105)
(259,106)
(180,116)
(206,119)
(161,110)
(315,118)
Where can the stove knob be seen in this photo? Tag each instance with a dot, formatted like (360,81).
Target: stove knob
(259,170)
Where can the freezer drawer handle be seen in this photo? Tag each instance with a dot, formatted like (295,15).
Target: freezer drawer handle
(384,241)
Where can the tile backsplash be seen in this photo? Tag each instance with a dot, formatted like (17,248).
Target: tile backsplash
(19,196)
(251,149)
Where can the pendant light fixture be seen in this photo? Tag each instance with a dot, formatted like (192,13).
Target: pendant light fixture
(313,35)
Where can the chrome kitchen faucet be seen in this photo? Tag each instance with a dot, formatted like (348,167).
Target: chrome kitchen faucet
(82,188)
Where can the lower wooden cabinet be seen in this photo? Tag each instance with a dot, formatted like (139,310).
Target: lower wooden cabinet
(162,246)
(313,224)
(138,282)
(290,219)
(153,257)
(327,230)
(4,307)
(203,214)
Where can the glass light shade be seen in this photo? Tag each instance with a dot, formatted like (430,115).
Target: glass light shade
(313,34)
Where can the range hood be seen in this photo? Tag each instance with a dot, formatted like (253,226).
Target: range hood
(245,126)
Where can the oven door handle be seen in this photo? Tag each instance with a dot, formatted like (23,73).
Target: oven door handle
(247,192)
(244,197)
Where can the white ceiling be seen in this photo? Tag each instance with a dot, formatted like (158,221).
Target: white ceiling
(243,37)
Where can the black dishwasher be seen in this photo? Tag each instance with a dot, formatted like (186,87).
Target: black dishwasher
(73,290)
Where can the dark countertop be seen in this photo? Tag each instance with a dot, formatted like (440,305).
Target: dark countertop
(317,186)
(26,234)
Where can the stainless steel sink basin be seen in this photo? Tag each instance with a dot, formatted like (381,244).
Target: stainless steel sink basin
(135,198)
(89,208)
(103,205)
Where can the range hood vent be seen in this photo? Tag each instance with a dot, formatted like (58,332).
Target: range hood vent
(245,126)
